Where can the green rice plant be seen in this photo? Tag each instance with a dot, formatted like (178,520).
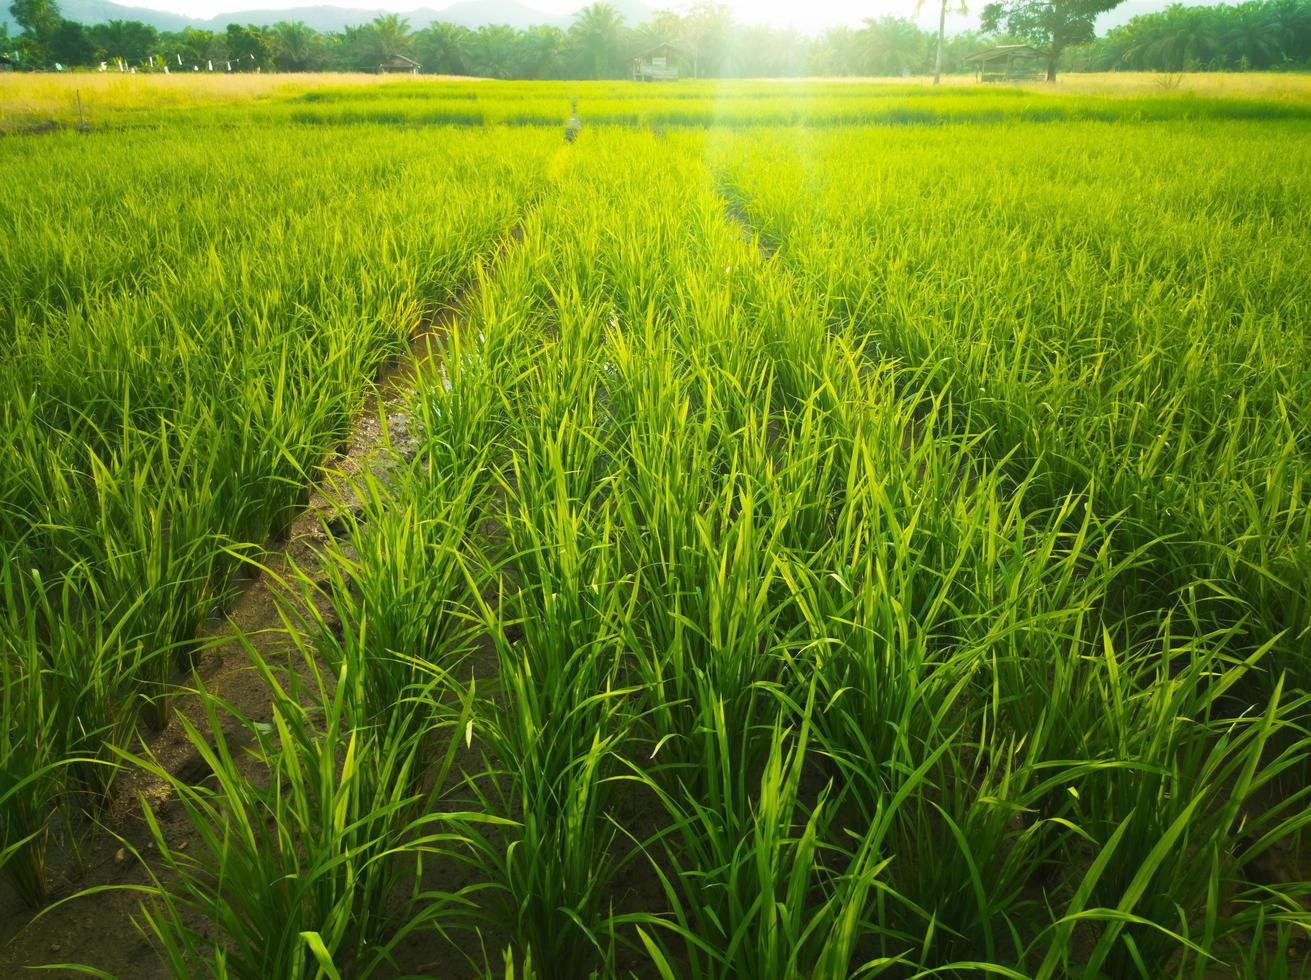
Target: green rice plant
(560,721)
(399,599)
(708,649)
(1187,800)
(758,888)
(1277,956)
(908,582)
(733,105)
(28,764)
(306,857)
(953,573)
(1168,386)
(171,394)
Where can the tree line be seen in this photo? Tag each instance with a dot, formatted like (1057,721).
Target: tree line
(599,44)
(1258,34)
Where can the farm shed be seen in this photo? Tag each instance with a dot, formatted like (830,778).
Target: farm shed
(1008,62)
(661,64)
(398,64)
(5,63)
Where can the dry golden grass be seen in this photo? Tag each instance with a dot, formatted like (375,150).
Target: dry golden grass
(31,99)
(1227,84)
(1256,85)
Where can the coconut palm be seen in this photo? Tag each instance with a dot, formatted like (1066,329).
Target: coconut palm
(537,52)
(382,38)
(596,33)
(942,32)
(492,50)
(838,51)
(127,39)
(1189,40)
(704,32)
(392,34)
(891,46)
(1254,36)
(444,49)
(293,45)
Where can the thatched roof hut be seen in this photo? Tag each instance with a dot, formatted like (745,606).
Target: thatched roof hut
(398,64)
(663,63)
(1009,62)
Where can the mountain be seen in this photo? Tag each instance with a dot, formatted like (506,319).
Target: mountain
(467,13)
(476,13)
(322,19)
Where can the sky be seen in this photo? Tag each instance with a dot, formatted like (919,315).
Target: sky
(803,14)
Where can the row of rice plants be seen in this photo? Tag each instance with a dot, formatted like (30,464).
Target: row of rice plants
(1108,314)
(32,102)
(742,105)
(694,104)
(189,328)
(726,649)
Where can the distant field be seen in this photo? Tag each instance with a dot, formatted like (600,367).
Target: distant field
(794,530)
(28,101)
(26,98)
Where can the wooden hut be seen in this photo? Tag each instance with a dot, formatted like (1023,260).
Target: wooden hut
(398,64)
(1008,63)
(662,63)
(5,63)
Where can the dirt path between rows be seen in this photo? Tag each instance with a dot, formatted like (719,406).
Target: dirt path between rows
(97,930)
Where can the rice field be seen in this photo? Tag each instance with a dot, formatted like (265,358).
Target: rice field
(38,103)
(794,530)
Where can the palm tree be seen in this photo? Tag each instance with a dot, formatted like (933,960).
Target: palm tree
(125,39)
(662,27)
(392,34)
(705,30)
(1187,40)
(837,51)
(1255,35)
(378,40)
(596,34)
(942,33)
(492,50)
(444,49)
(537,52)
(198,46)
(890,46)
(294,45)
